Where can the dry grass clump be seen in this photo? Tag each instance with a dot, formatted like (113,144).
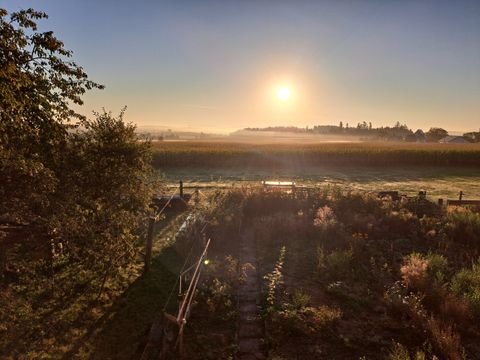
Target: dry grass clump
(446,339)
(325,218)
(414,271)
(305,320)
(400,352)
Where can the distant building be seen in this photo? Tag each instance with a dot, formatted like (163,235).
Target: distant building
(453,140)
(420,136)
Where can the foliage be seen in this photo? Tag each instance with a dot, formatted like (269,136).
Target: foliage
(466,283)
(325,218)
(400,352)
(275,280)
(305,320)
(437,268)
(37,85)
(336,264)
(463,226)
(414,271)
(435,134)
(74,190)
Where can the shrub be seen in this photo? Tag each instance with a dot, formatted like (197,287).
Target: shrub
(446,339)
(275,280)
(455,309)
(466,283)
(325,218)
(300,299)
(414,271)
(464,227)
(437,268)
(305,320)
(336,264)
(400,352)
(219,298)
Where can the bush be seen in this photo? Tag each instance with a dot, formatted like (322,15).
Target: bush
(419,271)
(437,268)
(305,320)
(337,264)
(300,299)
(466,283)
(463,226)
(325,218)
(400,352)
(275,281)
(414,271)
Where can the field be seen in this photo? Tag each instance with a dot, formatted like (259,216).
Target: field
(441,170)
(294,156)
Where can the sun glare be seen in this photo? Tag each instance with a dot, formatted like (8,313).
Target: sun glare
(283,93)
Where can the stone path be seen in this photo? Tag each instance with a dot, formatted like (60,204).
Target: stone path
(250,338)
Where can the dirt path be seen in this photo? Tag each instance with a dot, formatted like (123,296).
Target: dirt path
(250,339)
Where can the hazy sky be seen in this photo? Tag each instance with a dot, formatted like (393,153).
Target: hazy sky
(215,65)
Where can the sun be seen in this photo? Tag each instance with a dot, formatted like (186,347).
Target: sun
(283,93)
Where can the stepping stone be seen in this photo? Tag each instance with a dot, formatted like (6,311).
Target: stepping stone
(257,356)
(250,330)
(248,308)
(249,297)
(250,318)
(249,346)
(250,287)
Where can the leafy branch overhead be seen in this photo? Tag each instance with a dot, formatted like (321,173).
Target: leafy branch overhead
(38,83)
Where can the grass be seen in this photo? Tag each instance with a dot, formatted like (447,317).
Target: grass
(439,182)
(122,332)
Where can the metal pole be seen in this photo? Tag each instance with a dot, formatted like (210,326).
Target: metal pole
(181,312)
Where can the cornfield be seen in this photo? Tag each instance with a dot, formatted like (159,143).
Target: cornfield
(225,154)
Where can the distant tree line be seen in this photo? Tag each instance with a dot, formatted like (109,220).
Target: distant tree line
(398,132)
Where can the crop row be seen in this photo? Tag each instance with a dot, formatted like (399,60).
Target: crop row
(216,154)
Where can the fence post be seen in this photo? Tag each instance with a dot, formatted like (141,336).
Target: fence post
(149,244)
(181,189)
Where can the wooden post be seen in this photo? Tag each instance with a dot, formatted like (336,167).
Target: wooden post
(149,244)
(460,196)
(440,202)
(181,189)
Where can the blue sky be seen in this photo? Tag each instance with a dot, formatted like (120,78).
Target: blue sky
(215,65)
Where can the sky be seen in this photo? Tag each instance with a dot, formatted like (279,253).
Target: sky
(215,66)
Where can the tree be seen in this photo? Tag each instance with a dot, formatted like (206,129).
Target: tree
(37,85)
(435,134)
(106,194)
(76,188)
